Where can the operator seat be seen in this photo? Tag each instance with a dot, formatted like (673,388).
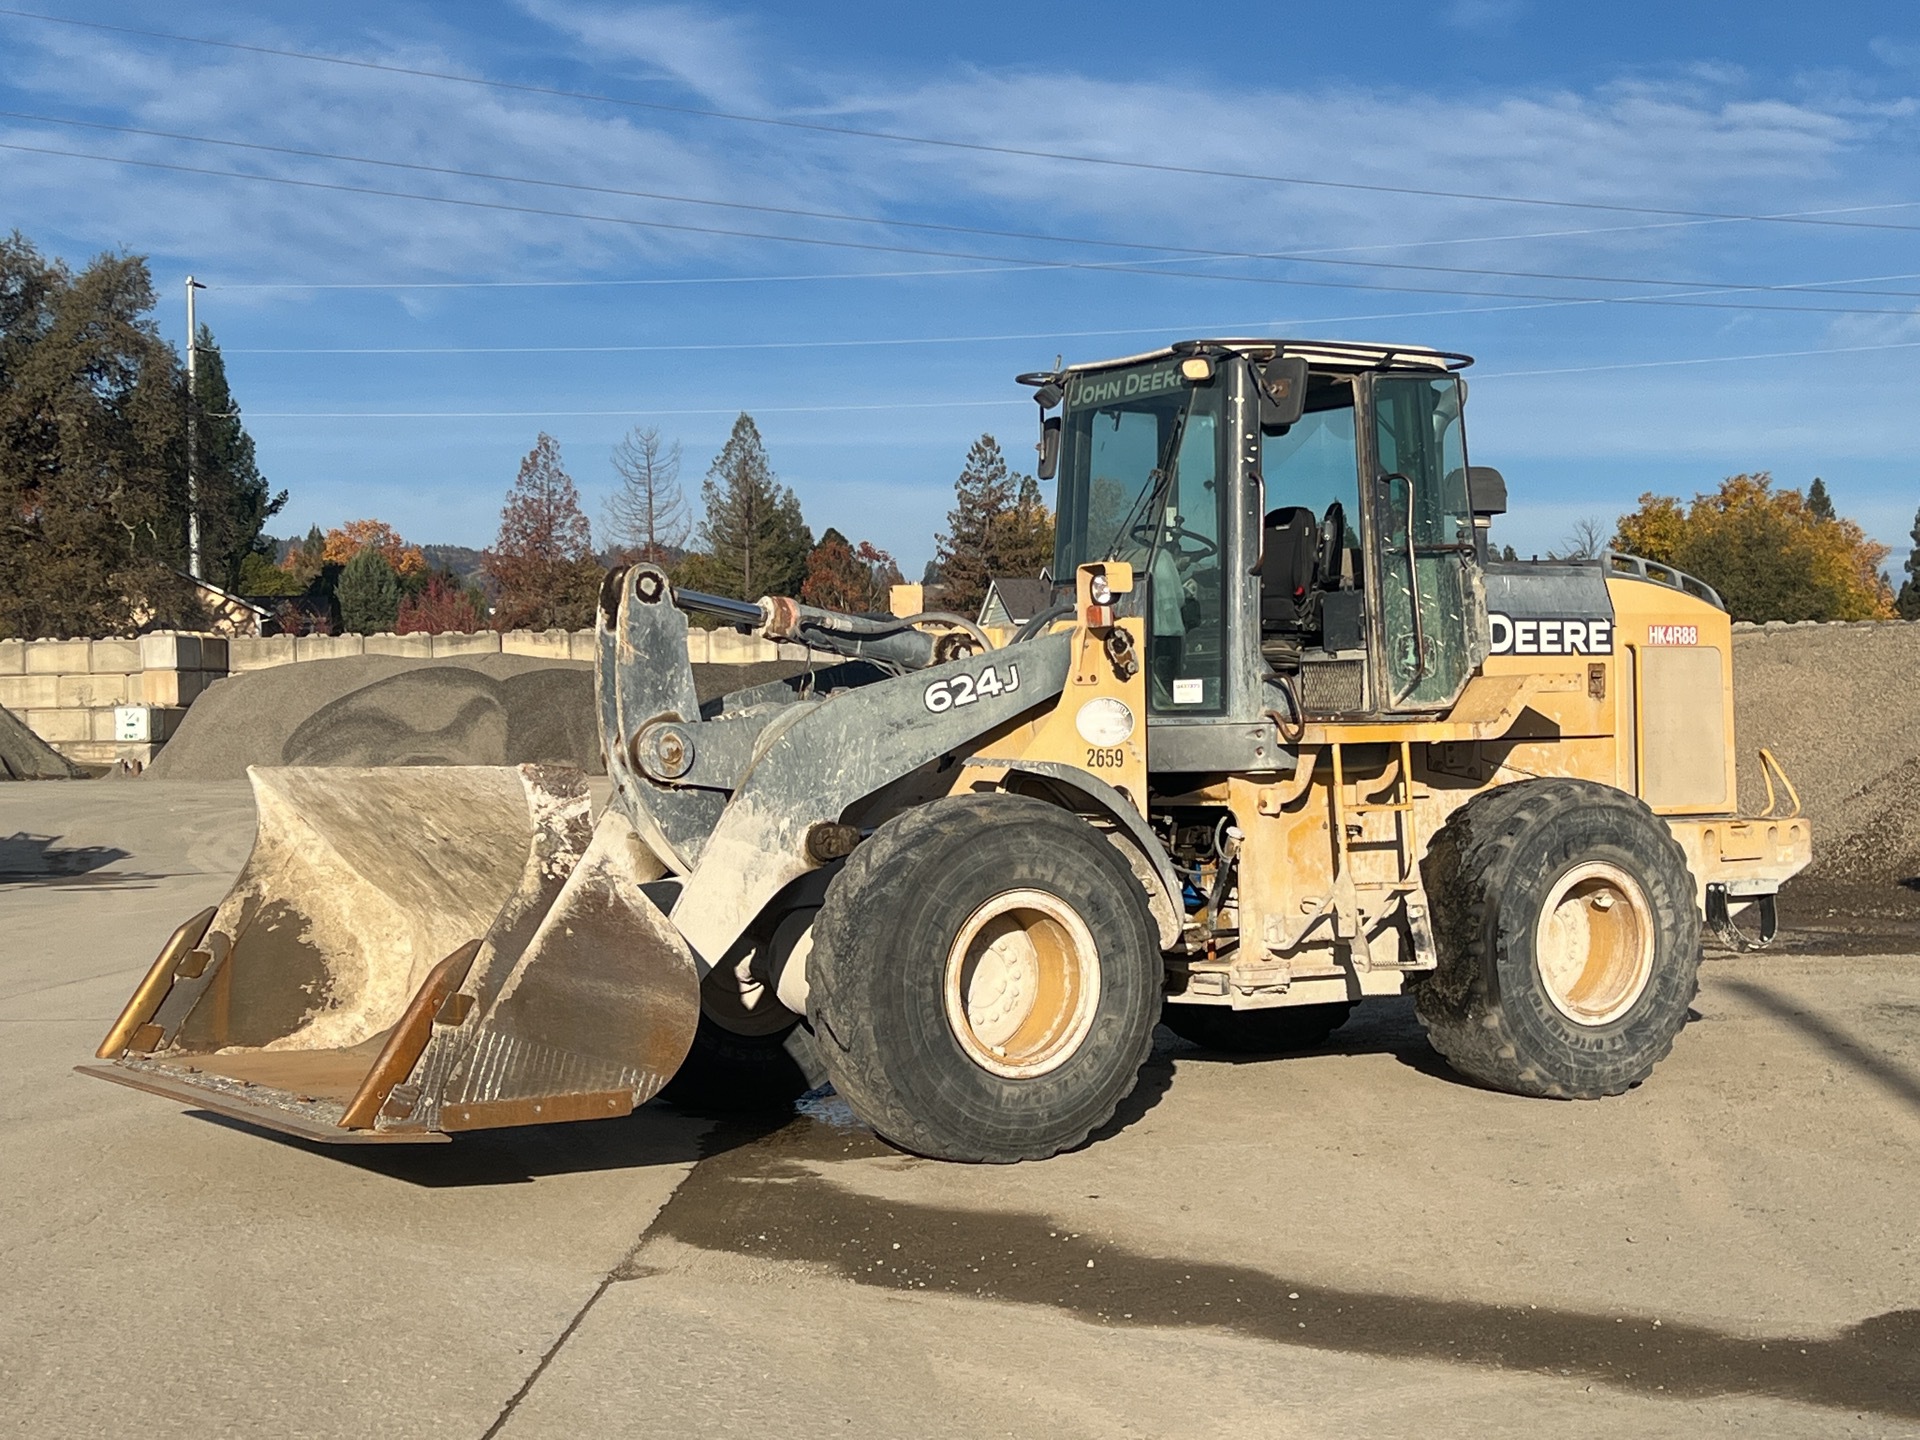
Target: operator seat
(1288,562)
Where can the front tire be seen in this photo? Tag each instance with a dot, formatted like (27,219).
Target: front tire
(984,980)
(1568,939)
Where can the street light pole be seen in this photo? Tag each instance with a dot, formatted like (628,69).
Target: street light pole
(193,434)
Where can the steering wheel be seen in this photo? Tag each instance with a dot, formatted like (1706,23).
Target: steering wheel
(1333,532)
(1184,544)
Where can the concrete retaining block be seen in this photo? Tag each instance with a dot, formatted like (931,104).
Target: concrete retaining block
(13,657)
(62,727)
(29,692)
(107,656)
(582,645)
(90,692)
(259,652)
(175,687)
(58,657)
(484,642)
(170,650)
(327,647)
(546,644)
(412,647)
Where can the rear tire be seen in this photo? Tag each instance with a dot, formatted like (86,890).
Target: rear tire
(1282,1030)
(984,980)
(1568,939)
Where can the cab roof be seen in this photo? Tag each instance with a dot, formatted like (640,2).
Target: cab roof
(1348,356)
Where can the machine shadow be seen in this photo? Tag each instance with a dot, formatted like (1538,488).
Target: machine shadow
(1899,1082)
(1383,1026)
(655,1134)
(29,859)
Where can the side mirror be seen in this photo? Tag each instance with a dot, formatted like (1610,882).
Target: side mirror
(1486,490)
(1049,448)
(1283,391)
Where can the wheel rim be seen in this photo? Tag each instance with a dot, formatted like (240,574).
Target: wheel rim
(1022,984)
(1594,943)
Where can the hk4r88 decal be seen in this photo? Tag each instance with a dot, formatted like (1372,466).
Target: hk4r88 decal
(944,695)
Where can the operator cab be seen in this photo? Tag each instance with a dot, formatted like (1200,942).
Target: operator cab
(1313,550)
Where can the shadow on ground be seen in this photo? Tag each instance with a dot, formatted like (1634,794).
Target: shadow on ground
(767,1196)
(29,859)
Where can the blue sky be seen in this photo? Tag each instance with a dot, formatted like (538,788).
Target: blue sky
(869,364)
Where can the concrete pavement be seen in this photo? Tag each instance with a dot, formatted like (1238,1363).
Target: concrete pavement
(1348,1243)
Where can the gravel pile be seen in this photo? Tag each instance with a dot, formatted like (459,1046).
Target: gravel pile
(1837,705)
(25,756)
(388,710)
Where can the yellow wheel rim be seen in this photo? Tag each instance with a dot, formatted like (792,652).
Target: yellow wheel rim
(1022,984)
(1594,943)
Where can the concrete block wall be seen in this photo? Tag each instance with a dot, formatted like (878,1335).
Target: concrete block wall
(67,690)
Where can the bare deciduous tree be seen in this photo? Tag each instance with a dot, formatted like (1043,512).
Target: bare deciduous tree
(647,515)
(1589,536)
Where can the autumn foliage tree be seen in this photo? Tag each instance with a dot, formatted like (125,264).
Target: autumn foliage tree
(542,560)
(1770,553)
(854,578)
(441,608)
(346,541)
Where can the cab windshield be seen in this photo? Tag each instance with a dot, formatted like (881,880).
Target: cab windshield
(1141,480)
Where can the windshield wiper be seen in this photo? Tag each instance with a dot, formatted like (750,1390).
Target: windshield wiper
(1159,484)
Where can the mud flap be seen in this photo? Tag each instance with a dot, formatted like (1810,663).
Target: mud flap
(409,952)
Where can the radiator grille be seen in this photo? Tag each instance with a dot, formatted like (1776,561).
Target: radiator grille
(1333,687)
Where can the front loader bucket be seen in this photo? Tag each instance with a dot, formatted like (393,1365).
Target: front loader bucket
(414,951)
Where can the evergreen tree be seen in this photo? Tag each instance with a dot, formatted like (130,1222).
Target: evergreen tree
(754,539)
(234,501)
(967,552)
(1908,604)
(647,514)
(369,594)
(92,453)
(542,560)
(1819,503)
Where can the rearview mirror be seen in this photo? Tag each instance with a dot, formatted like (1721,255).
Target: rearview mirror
(1283,391)
(1486,490)
(1049,448)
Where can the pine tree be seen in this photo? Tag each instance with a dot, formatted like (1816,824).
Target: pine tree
(754,539)
(1908,605)
(542,559)
(234,501)
(369,594)
(647,515)
(966,552)
(1819,503)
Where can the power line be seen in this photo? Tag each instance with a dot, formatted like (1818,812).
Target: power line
(1021,400)
(945,143)
(1004,402)
(843,217)
(1134,268)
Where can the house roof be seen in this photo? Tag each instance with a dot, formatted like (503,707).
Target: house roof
(1024,595)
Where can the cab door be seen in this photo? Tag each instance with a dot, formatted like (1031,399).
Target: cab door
(1428,593)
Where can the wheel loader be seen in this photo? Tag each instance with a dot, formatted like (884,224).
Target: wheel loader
(1289,738)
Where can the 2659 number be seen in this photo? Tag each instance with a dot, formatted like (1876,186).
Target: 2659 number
(1105,757)
(944,695)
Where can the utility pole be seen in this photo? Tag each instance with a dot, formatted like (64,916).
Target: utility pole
(193,434)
